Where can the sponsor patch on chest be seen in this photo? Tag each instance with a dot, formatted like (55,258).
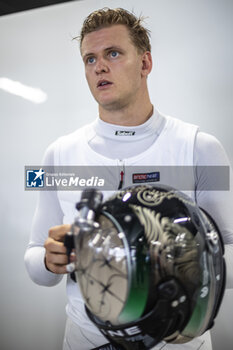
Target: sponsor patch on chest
(146,177)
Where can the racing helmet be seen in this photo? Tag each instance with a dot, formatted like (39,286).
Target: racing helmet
(149,265)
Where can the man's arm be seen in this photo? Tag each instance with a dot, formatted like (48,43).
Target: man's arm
(209,152)
(45,257)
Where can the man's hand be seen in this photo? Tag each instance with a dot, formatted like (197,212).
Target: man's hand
(55,255)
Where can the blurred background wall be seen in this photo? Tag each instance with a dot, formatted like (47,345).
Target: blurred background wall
(192,79)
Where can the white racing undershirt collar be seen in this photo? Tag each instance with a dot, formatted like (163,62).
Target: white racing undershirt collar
(129,133)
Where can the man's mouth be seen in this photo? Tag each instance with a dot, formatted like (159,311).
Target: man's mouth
(103,83)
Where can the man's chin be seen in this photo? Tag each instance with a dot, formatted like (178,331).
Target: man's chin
(109,105)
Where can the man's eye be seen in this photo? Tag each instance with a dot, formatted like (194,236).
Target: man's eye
(90,60)
(114,54)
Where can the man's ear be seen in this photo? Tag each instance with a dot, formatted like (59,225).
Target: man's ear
(146,63)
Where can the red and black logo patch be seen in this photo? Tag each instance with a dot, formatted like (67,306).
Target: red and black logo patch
(146,177)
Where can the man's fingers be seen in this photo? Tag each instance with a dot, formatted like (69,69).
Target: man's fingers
(56,262)
(54,246)
(58,232)
(56,259)
(59,269)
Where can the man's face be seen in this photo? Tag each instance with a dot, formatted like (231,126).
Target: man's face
(113,67)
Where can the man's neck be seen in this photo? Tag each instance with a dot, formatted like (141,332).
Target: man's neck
(128,116)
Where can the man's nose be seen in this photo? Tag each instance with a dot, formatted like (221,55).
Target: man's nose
(101,66)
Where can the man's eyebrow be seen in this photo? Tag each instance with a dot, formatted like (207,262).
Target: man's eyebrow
(118,48)
(88,54)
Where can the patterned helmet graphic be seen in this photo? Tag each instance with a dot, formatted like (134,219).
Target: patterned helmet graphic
(150,268)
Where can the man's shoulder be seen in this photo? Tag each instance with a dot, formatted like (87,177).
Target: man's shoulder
(67,146)
(176,129)
(73,138)
(175,123)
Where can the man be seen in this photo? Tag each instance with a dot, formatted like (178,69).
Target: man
(116,53)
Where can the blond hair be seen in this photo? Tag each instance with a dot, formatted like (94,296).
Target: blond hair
(107,17)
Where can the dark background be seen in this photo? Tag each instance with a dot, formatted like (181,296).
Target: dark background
(12,6)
